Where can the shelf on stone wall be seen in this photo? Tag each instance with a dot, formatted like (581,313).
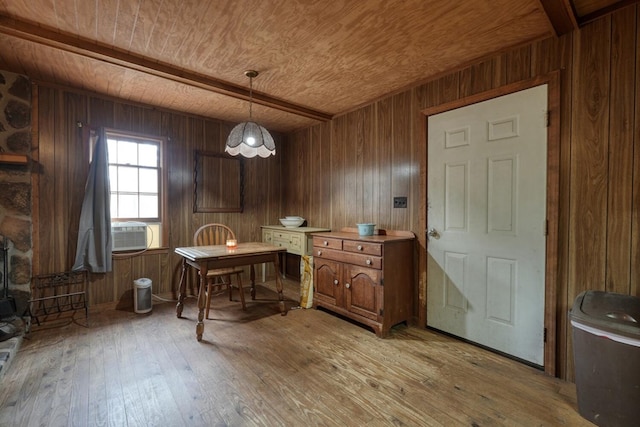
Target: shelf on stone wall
(14,159)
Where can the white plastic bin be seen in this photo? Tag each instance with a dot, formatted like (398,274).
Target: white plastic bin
(142,295)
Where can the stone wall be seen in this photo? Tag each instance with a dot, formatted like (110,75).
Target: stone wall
(15,185)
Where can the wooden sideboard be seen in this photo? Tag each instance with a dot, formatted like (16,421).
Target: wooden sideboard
(297,241)
(368,279)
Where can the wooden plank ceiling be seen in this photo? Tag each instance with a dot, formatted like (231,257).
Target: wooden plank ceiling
(316,58)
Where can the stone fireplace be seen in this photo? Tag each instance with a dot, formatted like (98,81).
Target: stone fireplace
(15,187)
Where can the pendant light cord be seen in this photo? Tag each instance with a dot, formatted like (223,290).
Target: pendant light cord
(250,96)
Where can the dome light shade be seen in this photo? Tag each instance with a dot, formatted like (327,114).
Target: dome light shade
(249,139)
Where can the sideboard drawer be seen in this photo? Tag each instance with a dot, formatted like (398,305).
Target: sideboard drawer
(362,247)
(327,242)
(362,260)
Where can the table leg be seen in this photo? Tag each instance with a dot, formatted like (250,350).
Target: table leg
(252,275)
(276,264)
(284,256)
(182,286)
(202,272)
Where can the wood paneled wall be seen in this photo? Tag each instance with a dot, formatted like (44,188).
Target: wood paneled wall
(348,170)
(62,164)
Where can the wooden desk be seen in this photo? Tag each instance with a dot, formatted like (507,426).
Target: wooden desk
(297,241)
(205,258)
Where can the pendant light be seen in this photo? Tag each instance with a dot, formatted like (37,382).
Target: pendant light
(249,139)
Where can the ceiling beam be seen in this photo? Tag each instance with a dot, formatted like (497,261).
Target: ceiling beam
(99,52)
(604,11)
(561,15)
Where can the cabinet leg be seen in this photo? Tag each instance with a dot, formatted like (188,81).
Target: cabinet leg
(382,334)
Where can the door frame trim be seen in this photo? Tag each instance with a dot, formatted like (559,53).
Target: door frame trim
(552,80)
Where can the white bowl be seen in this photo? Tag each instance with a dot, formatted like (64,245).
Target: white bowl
(293,217)
(291,222)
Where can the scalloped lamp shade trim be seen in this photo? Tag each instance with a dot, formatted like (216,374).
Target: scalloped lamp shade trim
(249,139)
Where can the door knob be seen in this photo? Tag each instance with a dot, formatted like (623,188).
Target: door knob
(432,232)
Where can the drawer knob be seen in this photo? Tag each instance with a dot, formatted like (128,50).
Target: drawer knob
(359,247)
(335,282)
(368,262)
(325,243)
(319,253)
(347,285)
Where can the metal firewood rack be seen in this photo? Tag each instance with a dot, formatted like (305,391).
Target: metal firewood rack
(56,293)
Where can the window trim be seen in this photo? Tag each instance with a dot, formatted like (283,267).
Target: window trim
(163,209)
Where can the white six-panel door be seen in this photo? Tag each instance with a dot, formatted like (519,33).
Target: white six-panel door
(487,166)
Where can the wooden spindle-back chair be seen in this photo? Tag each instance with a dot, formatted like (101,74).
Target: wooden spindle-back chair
(218,234)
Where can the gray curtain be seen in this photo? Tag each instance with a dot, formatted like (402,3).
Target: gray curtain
(93,251)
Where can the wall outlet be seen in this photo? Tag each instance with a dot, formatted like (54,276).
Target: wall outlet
(399,202)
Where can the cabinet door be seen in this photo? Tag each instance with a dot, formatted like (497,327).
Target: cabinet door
(363,292)
(267,236)
(327,281)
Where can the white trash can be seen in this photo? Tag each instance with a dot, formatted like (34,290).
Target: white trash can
(142,295)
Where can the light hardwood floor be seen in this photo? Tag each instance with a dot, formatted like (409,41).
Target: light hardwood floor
(259,368)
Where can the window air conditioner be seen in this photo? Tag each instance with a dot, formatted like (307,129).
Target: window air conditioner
(128,236)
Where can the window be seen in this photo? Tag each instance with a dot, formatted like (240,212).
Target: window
(135,177)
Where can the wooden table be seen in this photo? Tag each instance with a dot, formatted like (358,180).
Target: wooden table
(205,258)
